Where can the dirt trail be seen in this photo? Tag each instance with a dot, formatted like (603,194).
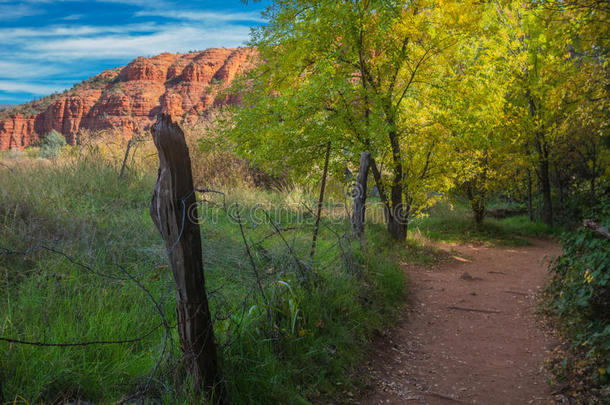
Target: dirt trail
(445,351)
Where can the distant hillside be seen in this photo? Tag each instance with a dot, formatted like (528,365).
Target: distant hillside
(128,98)
(5,106)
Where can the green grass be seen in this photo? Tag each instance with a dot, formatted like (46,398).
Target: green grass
(455,225)
(81,207)
(307,351)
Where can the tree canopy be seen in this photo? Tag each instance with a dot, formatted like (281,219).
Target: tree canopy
(446,96)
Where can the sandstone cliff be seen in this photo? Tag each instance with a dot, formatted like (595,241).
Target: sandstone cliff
(129,98)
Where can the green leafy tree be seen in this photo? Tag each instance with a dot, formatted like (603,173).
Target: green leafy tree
(356,74)
(559,77)
(471,108)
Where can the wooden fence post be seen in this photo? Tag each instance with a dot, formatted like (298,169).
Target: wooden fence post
(124,165)
(320,203)
(360,195)
(173,198)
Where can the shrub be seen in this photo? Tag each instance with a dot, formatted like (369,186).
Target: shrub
(579,293)
(52,144)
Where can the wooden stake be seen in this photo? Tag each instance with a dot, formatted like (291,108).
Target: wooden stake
(129,144)
(320,202)
(360,195)
(173,198)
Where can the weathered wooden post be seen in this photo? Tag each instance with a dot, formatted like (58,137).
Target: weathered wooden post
(360,195)
(172,200)
(320,203)
(124,165)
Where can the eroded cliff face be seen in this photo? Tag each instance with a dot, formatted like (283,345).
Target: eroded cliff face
(129,98)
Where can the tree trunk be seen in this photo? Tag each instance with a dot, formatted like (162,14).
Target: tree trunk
(398,224)
(530,209)
(545,185)
(172,201)
(542,149)
(320,202)
(478,210)
(381,189)
(397,227)
(561,188)
(477,203)
(360,195)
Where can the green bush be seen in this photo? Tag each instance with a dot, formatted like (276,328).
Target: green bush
(52,144)
(579,292)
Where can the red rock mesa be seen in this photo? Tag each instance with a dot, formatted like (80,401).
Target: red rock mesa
(130,97)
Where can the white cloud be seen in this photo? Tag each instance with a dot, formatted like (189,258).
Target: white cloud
(168,39)
(16,11)
(8,100)
(205,16)
(10,35)
(72,17)
(11,86)
(127,2)
(21,70)
(31,58)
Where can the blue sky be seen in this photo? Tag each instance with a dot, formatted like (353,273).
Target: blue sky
(47,46)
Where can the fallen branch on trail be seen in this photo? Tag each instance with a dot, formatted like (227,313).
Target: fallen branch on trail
(485,311)
(516,293)
(442,396)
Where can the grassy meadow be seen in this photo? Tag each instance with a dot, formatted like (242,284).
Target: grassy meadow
(81,262)
(106,278)
(453,223)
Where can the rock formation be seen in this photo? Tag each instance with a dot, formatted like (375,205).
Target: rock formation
(129,98)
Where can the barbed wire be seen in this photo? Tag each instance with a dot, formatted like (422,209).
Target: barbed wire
(236,320)
(129,277)
(90,343)
(35,248)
